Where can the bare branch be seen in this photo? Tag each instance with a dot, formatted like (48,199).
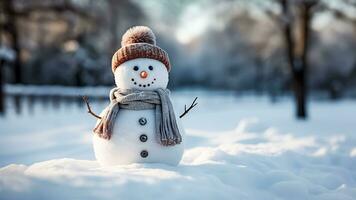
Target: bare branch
(85,98)
(190,107)
(341,15)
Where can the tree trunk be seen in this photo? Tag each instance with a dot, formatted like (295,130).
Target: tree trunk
(300,95)
(115,38)
(2,66)
(297,77)
(2,94)
(300,72)
(297,51)
(12,29)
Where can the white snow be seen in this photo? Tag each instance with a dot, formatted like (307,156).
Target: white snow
(124,146)
(44,90)
(128,78)
(236,148)
(353,152)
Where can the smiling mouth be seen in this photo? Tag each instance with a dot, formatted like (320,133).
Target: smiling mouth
(143,85)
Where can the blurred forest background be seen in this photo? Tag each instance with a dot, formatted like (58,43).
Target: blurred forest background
(263,46)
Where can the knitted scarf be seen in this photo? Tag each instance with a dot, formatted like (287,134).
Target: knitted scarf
(167,132)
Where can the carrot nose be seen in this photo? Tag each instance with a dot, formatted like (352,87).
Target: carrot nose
(143,74)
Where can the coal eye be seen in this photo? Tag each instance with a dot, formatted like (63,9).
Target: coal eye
(135,68)
(150,67)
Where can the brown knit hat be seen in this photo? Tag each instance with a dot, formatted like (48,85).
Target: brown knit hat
(139,42)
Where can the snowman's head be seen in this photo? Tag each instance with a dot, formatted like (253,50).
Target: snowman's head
(140,63)
(142,74)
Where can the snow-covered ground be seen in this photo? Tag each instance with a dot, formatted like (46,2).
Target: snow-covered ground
(237,148)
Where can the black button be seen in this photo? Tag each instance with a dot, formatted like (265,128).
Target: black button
(144,154)
(143,138)
(142,121)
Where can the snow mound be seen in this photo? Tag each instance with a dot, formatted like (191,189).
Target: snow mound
(252,161)
(236,148)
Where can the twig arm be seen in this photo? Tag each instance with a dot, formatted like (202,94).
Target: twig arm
(85,98)
(190,107)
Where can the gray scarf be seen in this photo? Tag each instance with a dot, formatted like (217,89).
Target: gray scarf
(167,132)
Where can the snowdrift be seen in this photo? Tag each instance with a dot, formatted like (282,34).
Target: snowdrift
(237,164)
(236,148)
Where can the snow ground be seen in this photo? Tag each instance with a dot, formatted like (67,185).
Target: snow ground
(237,148)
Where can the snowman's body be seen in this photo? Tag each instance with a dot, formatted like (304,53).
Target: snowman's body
(134,141)
(134,138)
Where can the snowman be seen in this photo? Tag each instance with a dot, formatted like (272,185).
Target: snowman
(139,125)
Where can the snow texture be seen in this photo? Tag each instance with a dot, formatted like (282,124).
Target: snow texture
(125,147)
(236,148)
(128,78)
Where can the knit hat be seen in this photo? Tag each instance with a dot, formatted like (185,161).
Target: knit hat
(139,42)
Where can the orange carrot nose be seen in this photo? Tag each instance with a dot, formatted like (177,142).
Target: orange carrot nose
(143,74)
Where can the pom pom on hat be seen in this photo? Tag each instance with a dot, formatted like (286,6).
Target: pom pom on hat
(139,42)
(138,34)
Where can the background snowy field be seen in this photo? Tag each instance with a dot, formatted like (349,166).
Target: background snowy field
(236,148)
